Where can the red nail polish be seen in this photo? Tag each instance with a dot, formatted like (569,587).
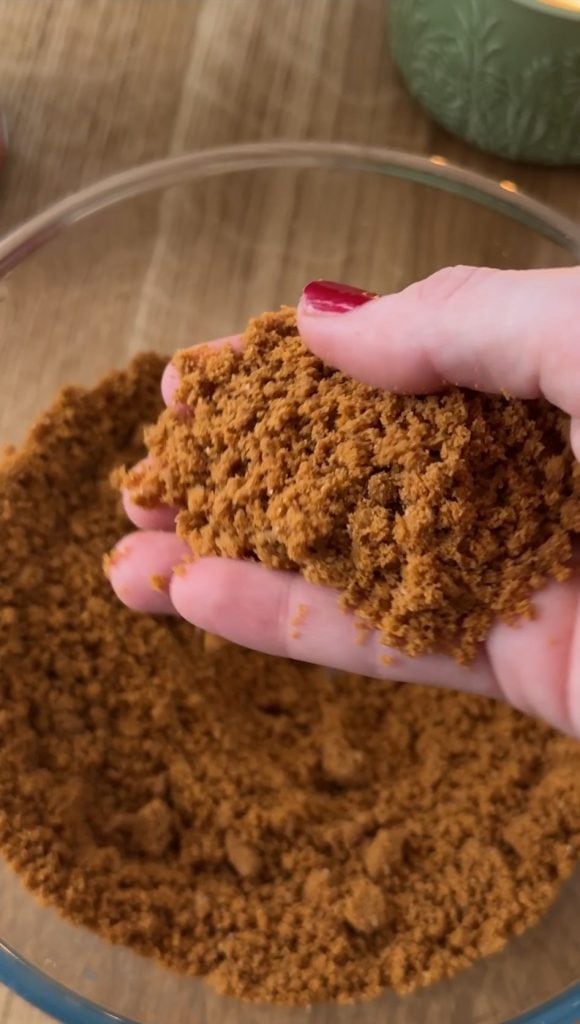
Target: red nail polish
(330,297)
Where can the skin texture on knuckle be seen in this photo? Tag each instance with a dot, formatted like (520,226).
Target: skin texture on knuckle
(450,283)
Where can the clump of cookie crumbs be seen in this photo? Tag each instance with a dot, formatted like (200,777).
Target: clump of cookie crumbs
(431,516)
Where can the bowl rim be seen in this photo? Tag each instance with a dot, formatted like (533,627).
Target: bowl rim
(553,8)
(67,1007)
(434,171)
(19,975)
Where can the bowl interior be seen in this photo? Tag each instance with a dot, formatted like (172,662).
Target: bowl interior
(165,270)
(185,264)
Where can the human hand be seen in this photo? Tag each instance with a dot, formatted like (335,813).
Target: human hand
(495,331)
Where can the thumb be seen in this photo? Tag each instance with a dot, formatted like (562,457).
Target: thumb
(491,330)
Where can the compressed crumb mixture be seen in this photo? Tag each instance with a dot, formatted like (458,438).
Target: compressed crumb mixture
(432,516)
(289,834)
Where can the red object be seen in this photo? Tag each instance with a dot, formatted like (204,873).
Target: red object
(331,297)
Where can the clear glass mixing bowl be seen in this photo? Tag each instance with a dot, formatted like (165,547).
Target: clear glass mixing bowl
(185,249)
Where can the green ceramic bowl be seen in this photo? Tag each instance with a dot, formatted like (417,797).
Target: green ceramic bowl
(502,74)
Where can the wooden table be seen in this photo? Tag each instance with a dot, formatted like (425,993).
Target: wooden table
(90,87)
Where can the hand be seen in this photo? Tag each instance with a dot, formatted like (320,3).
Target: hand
(511,331)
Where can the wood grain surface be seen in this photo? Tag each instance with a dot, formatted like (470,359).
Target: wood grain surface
(90,87)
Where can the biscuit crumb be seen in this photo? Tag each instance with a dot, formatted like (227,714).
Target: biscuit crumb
(243,857)
(365,908)
(298,620)
(213,643)
(159,582)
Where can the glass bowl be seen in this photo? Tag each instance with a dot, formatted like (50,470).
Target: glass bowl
(186,249)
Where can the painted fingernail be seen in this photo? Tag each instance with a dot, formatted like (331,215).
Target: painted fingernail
(331,297)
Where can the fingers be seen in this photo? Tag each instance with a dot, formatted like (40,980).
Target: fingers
(492,330)
(162,518)
(280,613)
(535,665)
(537,662)
(140,567)
(169,383)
